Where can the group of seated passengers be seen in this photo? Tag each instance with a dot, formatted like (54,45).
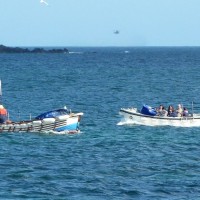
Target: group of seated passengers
(171,112)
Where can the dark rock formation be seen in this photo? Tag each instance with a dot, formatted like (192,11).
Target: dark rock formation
(4,49)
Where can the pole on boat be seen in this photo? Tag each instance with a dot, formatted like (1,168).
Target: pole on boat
(192,110)
(19,115)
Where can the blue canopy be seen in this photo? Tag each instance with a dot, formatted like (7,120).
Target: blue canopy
(53,113)
(148,110)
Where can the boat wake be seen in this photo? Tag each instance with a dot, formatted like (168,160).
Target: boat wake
(131,123)
(121,123)
(62,132)
(75,52)
(126,122)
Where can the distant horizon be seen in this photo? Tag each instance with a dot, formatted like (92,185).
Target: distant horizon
(39,46)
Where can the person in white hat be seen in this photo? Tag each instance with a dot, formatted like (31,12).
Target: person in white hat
(179,111)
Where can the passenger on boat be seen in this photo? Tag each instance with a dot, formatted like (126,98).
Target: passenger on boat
(171,112)
(179,111)
(3,114)
(164,112)
(185,112)
(161,111)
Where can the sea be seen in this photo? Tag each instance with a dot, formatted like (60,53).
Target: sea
(104,161)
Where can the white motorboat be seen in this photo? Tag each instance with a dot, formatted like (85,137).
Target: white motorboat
(133,116)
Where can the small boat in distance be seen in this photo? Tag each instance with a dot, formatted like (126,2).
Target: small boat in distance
(133,116)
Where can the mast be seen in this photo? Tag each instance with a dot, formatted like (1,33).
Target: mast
(192,109)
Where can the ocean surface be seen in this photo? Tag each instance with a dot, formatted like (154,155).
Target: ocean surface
(103,161)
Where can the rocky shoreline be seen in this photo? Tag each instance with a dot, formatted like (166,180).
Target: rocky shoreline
(5,49)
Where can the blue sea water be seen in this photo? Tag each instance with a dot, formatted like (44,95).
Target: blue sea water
(104,161)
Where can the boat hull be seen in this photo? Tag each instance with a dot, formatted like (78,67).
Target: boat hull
(66,123)
(131,116)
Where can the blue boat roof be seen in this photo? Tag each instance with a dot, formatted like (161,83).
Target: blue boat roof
(52,114)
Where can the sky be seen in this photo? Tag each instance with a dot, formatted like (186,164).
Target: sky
(93,22)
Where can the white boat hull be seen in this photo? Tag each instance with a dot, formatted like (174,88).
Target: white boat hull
(131,116)
(68,123)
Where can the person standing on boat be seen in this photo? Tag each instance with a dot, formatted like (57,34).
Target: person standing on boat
(3,114)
